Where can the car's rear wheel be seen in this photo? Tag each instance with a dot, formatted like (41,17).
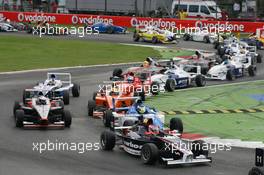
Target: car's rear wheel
(256,171)
(66,97)
(206,39)
(200,81)
(136,37)
(76,90)
(149,153)
(110,30)
(154,88)
(154,40)
(107,140)
(19,118)
(251,71)
(108,118)
(198,148)
(176,124)
(170,85)
(259,58)
(16,107)
(67,118)
(26,95)
(230,76)
(91,107)
(186,37)
(117,72)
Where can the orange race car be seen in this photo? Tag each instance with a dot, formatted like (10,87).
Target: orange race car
(106,101)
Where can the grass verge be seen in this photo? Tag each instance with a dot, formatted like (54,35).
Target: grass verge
(23,53)
(242,126)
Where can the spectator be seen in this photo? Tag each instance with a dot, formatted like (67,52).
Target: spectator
(236,9)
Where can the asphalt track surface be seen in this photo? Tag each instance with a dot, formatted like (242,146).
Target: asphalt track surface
(16,145)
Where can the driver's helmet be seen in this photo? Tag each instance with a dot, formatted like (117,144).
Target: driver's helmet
(53,77)
(141,109)
(147,122)
(41,100)
(146,64)
(130,79)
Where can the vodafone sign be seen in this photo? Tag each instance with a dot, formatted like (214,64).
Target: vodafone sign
(127,21)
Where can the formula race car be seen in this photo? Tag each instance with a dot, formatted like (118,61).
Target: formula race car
(149,65)
(232,68)
(108,28)
(6,27)
(153,144)
(40,111)
(154,35)
(131,115)
(57,85)
(200,35)
(179,77)
(258,169)
(107,99)
(239,48)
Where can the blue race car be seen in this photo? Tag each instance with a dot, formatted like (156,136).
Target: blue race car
(108,28)
(254,42)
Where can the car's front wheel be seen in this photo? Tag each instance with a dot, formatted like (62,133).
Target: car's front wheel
(149,153)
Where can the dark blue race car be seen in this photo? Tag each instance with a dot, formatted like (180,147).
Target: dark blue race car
(253,42)
(108,28)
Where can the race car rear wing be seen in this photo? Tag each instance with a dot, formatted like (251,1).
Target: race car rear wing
(191,69)
(64,77)
(122,99)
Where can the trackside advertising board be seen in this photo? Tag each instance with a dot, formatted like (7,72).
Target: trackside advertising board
(127,21)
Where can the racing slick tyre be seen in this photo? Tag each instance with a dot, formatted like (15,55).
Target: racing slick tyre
(154,88)
(110,30)
(117,72)
(256,171)
(230,76)
(186,37)
(129,123)
(251,71)
(91,107)
(107,140)
(66,97)
(216,44)
(170,85)
(136,37)
(197,148)
(221,50)
(67,118)
(259,58)
(154,40)
(25,96)
(108,118)
(149,153)
(176,124)
(206,39)
(94,95)
(200,81)
(19,118)
(76,90)
(16,107)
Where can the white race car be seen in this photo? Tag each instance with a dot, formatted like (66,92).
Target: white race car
(6,27)
(57,85)
(232,68)
(40,111)
(236,47)
(200,35)
(179,77)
